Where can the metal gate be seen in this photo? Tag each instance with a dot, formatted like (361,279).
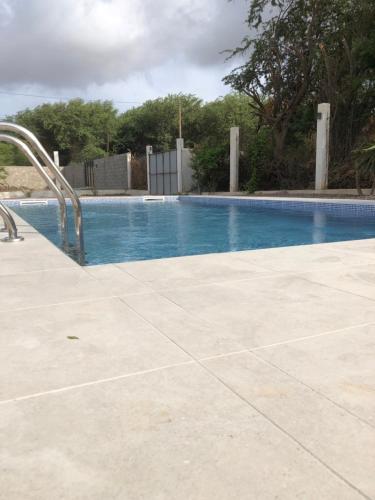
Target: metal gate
(89,173)
(163,173)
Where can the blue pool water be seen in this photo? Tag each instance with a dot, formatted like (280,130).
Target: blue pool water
(120,231)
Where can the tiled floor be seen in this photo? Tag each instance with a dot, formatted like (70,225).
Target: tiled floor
(248,375)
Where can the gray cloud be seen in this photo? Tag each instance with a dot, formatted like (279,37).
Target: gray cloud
(75,43)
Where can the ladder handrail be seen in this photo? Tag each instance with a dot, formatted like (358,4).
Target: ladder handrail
(24,148)
(10,225)
(34,142)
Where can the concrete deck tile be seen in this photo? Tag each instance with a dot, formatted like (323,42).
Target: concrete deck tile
(193,270)
(198,337)
(273,309)
(63,285)
(358,280)
(117,280)
(47,287)
(40,256)
(175,433)
(365,247)
(37,355)
(338,438)
(139,406)
(306,258)
(340,366)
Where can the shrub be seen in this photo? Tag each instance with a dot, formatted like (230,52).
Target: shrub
(258,159)
(91,152)
(252,185)
(3,174)
(364,160)
(211,167)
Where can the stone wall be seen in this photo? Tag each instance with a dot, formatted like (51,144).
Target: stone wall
(23,178)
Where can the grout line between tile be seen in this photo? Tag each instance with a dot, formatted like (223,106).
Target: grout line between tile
(254,407)
(34,271)
(76,301)
(264,273)
(290,436)
(330,287)
(315,391)
(92,383)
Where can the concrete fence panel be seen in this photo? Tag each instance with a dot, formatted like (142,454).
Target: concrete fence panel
(75,175)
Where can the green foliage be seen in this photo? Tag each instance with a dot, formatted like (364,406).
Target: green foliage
(3,174)
(91,152)
(252,185)
(218,116)
(157,123)
(257,162)
(300,53)
(364,166)
(84,131)
(211,167)
(365,159)
(73,127)
(6,154)
(10,155)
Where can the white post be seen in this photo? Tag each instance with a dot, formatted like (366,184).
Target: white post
(234,158)
(322,146)
(56,158)
(179,147)
(129,169)
(148,152)
(56,161)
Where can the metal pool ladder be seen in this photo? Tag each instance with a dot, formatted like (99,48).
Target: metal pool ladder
(56,181)
(10,225)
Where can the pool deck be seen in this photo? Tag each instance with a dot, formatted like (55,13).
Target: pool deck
(247,375)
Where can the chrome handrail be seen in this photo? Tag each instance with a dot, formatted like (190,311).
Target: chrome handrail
(10,225)
(24,148)
(34,142)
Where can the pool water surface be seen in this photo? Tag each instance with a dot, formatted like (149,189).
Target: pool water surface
(122,230)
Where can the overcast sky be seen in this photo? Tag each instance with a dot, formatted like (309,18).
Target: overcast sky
(123,50)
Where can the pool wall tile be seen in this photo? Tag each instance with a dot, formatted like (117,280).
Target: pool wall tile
(345,207)
(339,207)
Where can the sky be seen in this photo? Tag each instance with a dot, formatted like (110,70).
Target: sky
(127,51)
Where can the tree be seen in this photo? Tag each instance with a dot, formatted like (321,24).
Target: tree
(279,72)
(232,110)
(156,123)
(10,155)
(217,118)
(347,74)
(300,53)
(73,128)
(308,50)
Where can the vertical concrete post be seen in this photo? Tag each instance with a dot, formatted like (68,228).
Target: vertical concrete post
(56,158)
(129,169)
(56,161)
(322,146)
(234,158)
(148,153)
(179,148)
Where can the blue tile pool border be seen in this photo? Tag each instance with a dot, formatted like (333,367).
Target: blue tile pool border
(84,200)
(339,207)
(343,207)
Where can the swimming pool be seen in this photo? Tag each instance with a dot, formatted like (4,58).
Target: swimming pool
(129,229)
